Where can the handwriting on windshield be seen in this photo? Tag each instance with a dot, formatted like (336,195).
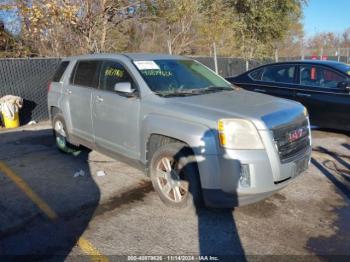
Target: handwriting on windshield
(152,72)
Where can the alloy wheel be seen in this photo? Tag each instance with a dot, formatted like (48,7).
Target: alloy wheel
(169,180)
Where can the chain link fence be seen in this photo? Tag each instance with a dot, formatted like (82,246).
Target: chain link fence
(29,79)
(335,54)
(230,66)
(340,54)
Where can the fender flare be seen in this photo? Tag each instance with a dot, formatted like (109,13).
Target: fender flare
(200,138)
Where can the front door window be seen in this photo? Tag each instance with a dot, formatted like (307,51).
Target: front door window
(112,73)
(316,76)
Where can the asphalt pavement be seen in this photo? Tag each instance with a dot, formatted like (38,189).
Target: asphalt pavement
(55,207)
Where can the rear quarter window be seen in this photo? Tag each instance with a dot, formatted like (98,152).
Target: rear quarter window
(60,71)
(256,75)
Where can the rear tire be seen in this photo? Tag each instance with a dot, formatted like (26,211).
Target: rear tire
(175,176)
(61,136)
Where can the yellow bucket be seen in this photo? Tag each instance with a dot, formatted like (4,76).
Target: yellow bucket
(11,123)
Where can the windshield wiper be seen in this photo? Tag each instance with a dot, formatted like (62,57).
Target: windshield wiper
(188,92)
(194,91)
(210,89)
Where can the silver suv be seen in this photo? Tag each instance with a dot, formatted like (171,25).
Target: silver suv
(199,139)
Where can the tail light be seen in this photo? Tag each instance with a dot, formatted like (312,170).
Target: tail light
(49,87)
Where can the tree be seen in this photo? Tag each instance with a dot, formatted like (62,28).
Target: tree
(260,24)
(11,46)
(44,24)
(292,44)
(330,44)
(173,23)
(244,28)
(345,39)
(215,26)
(67,27)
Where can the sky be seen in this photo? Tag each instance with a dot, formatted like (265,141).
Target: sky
(9,18)
(326,15)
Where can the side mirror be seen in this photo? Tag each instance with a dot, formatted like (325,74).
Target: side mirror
(124,88)
(345,85)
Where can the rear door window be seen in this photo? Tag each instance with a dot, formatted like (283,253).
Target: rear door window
(60,71)
(279,74)
(316,76)
(113,72)
(86,73)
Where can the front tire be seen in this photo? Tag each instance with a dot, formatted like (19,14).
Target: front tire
(175,176)
(61,136)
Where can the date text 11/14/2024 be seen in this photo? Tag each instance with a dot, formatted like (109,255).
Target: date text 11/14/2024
(172,258)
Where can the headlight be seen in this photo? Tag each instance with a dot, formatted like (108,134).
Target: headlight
(238,134)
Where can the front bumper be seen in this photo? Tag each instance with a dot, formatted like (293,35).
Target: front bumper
(267,175)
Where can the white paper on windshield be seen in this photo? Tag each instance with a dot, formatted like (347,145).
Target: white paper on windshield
(146,65)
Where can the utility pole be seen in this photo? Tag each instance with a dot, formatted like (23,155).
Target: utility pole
(170,47)
(276,55)
(215,59)
(302,49)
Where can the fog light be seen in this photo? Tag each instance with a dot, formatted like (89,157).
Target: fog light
(244,179)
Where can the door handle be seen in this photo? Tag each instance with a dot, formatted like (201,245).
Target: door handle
(303,94)
(260,90)
(68,91)
(99,99)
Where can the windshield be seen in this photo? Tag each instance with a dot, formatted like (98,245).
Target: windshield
(180,77)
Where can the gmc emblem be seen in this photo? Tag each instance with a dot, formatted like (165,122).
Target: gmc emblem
(295,134)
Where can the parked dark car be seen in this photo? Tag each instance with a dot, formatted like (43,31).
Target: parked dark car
(321,86)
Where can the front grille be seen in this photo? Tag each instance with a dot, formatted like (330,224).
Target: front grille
(289,148)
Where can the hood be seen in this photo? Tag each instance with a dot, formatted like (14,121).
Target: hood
(263,110)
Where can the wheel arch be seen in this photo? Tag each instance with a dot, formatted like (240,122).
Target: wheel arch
(53,111)
(156,140)
(162,130)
